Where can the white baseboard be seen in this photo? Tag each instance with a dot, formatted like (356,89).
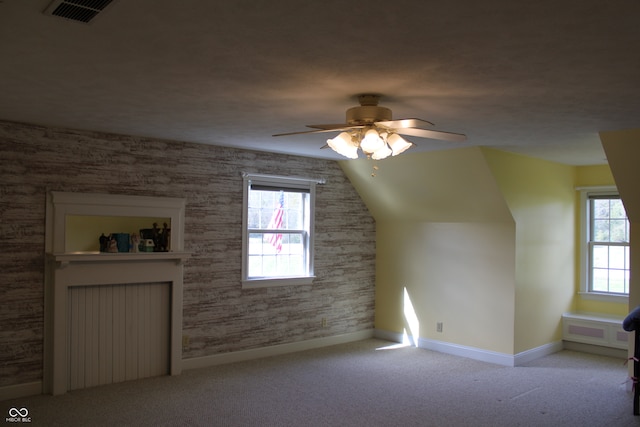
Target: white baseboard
(20,390)
(538,352)
(468,352)
(239,356)
(35,388)
(488,356)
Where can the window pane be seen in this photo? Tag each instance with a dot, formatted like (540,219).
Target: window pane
(295,239)
(617,281)
(267,198)
(255,244)
(600,258)
(279,210)
(600,280)
(610,269)
(601,230)
(255,265)
(618,231)
(265,217)
(600,208)
(627,275)
(253,217)
(609,221)
(617,209)
(627,260)
(254,199)
(617,257)
(277,255)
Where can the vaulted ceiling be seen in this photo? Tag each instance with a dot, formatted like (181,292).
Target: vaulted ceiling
(538,78)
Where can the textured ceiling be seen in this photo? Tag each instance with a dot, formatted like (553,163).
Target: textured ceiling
(539,78)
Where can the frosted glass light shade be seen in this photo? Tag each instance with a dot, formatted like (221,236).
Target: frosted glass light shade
(382,153)
(398,144)
(342,145)
(371,142)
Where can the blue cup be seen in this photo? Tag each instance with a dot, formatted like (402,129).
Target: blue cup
(122,239)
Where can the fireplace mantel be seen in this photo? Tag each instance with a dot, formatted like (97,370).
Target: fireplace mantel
(65,258)
(67,270)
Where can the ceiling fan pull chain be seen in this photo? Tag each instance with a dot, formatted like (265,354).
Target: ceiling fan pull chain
(374,168)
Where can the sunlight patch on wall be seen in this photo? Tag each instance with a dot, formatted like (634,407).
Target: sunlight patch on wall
(411,331)
(411,321)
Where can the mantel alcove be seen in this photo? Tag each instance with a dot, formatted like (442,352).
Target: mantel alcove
(111,317)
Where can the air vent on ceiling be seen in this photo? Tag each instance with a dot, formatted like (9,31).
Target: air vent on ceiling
(77,10)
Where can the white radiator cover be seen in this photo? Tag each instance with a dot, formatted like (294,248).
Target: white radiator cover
(595,329)
(117,333)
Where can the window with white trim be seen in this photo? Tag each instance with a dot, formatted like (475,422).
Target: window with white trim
(605,245)
(277,247)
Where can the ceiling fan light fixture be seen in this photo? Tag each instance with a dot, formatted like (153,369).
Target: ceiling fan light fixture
(382,153)
(371,142)
(398,144)
(371,129)
(343,145)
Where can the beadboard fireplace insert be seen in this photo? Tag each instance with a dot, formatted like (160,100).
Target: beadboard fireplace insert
(110,317)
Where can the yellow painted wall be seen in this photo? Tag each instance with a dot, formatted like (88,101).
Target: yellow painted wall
(591,176)
(439,186)
(481,240)
(540,195)
(460,274)
(445,238)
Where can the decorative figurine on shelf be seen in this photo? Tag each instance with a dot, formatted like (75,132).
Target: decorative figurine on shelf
(147,245)
(165,238)
(135,242)
(160,237)
(113,245)
(156,237)
(104,243)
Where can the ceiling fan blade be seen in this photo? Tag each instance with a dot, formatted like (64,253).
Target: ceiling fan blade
(331,127)
(342,127)
(302,133)
(404,123)
(433,134)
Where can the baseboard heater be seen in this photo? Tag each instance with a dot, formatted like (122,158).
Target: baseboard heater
(595,329)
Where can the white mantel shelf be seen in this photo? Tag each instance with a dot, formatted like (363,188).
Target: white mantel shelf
(66,258)
(68,271)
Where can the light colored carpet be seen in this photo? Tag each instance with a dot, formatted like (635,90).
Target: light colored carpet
(358,384)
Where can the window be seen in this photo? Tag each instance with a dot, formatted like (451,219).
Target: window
(605,235)
(277,247)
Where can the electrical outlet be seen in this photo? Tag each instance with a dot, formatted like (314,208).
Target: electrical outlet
(439,327)
(324,322)
(185,342)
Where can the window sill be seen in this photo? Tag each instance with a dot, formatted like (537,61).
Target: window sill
(279,281)
(595,296)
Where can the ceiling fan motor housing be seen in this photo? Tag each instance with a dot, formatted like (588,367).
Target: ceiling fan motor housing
(367,114)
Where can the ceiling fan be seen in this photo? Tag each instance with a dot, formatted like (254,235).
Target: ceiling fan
(371,128)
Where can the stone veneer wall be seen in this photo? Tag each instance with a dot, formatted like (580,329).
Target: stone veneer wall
(219,316)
